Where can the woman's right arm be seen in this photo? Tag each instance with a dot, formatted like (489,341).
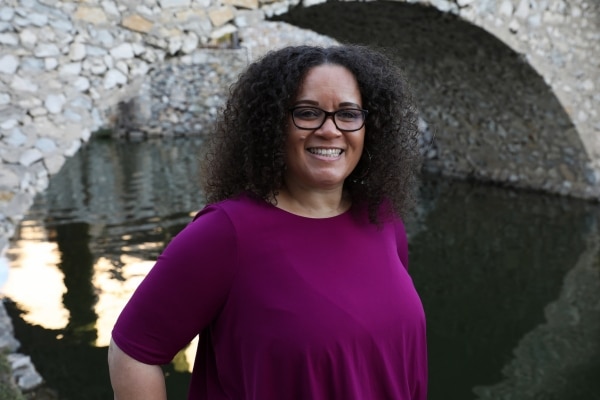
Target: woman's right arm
(177,300)
(133,380)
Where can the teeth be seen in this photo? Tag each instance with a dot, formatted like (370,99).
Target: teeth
(326,152)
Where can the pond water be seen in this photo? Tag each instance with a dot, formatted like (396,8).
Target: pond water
(509,279)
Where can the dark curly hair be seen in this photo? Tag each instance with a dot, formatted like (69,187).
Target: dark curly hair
(246,152)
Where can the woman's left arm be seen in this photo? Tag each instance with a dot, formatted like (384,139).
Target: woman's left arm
(133,380)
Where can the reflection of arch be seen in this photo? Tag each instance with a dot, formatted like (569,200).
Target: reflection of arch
(489,266)
(76,263)
(568,337)
(495,117)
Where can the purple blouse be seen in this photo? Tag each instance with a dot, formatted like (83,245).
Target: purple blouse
(288,307)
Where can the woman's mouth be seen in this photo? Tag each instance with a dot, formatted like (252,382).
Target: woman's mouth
(325,152)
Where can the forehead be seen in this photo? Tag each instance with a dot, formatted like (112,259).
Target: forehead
(329,80)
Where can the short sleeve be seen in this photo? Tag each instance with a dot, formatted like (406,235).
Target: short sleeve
(183,292)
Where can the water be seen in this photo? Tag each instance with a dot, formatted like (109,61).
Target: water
(509,280)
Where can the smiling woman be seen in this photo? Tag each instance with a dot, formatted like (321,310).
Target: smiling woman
(295,274)
(319,159)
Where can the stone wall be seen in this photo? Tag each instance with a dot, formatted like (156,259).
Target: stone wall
(497,113)
(69,69)
(560,40)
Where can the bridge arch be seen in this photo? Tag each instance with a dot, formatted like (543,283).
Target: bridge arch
(494,115)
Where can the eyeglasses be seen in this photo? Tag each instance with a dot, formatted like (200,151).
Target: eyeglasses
(346,119)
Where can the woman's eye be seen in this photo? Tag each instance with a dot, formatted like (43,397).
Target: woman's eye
(307,113)
(349,114)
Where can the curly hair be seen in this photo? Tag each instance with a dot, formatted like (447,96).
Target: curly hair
(246,151)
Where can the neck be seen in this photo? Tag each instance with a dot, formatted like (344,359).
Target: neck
(313,204)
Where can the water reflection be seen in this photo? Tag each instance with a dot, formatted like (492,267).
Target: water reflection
(492,264)
(38,271)
(85,246)
(503,275)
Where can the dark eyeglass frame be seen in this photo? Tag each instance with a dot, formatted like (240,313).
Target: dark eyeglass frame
(331,114)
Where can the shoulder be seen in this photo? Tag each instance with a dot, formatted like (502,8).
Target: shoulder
(240,212)
(238,204)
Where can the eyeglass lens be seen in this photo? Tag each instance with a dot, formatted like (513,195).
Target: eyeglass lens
(348,119)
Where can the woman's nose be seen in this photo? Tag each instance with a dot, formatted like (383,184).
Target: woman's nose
(328,128)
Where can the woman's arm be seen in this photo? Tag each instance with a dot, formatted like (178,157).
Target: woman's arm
(179,297)
(133,380)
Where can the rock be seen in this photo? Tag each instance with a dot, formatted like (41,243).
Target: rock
(123,51)
(77,52)
(38,111)
(123,67)
(223,31)
(93,15)
(54,103)
(175,43)
(220,16)
(522,10)
(111,8)
(250,4)
(28,38)
(246,18)
(137,23)
(506,8)
(8,124)
(8,64)
(105,38)
(38,19)
(81,84)
(74,148)
(6,13)
(15,138)
(46,50)
(114,78)
(50,63)
(8,342)
(25,373)
(174,3)
(31,66)
(8,179)
(73,68)
(190,43)
(23,85)
(45,145)
(54,163)
(30,156)
(9,39)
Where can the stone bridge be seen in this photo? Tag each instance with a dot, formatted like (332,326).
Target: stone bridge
(508,89)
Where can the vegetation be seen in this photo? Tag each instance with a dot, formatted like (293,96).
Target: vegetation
(8,387)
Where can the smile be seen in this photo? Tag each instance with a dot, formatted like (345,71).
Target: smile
(325,152)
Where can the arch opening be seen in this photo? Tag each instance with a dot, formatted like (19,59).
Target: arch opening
(494,117)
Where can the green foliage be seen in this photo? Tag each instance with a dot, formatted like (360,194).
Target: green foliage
(8,388)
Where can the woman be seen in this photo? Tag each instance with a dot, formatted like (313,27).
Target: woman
(295,273)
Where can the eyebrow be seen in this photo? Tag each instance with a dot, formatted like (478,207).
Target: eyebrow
(316,103)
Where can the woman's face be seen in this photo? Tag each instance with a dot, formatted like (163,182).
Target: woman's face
(322,158)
